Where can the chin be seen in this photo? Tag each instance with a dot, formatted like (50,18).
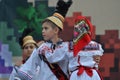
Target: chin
(46,39)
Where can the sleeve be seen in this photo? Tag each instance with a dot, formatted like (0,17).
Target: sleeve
(73,62)
(94,48)
(13,75)
(99,51)
(28,70)
(86,56)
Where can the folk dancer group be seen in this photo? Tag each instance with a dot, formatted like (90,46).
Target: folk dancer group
(55,59)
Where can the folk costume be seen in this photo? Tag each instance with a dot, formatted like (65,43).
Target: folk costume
(23,40)
(82,65)
(49,61)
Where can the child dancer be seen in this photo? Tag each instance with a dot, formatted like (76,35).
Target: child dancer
(51,57)
(82,64)
(27,44)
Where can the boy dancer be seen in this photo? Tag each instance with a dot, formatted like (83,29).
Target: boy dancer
(50,60)
(86,53)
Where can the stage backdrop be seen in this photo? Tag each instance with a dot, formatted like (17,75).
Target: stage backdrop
(103,14)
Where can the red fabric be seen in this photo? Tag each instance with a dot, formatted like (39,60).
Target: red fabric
(86,69)
(79,18)
(61,78)
(58,71)
(81,44)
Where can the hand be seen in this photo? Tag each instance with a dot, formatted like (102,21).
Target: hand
(97,58)
(18,63)
(40,43)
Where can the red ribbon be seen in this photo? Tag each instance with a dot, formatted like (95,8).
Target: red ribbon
(86,69)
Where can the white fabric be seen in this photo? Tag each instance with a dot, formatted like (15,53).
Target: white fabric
(84,58)
(37,69)
(84,76)
(13,75)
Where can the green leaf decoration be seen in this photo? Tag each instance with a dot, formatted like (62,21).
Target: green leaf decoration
(31,17)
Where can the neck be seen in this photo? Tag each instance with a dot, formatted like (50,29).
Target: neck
(55,39)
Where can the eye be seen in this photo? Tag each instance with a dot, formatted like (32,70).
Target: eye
(26,47)
(46,28)
(31,47)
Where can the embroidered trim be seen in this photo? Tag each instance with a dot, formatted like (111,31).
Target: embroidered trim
(24,75)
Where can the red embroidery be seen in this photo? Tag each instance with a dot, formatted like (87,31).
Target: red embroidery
(46,48)
(91,46)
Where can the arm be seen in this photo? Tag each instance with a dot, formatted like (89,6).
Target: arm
(58,54)
(97,57)
(13,74)
(28,70)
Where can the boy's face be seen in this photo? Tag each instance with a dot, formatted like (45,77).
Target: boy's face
(48,32)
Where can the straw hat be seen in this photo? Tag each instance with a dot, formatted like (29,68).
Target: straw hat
(28,39)
(57,19)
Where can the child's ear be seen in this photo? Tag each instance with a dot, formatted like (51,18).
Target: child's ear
(56,29)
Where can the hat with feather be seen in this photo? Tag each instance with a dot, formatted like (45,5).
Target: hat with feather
(60,12)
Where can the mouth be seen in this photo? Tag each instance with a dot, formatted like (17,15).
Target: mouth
(43,35)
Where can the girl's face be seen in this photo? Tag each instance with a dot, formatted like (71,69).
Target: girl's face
(48,32)
(27,50)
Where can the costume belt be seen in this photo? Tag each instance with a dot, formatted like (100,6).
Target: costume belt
(88,70)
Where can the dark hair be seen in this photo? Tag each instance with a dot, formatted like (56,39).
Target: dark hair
(53,25)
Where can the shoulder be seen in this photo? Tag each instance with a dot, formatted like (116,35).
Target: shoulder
(41,46)
(93,42)
(92,46)
(69,45)
(96,45)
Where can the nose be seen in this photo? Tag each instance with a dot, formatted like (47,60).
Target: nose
(43,31)
(29,49)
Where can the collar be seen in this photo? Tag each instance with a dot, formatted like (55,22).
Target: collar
(53,46)
(58,43)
